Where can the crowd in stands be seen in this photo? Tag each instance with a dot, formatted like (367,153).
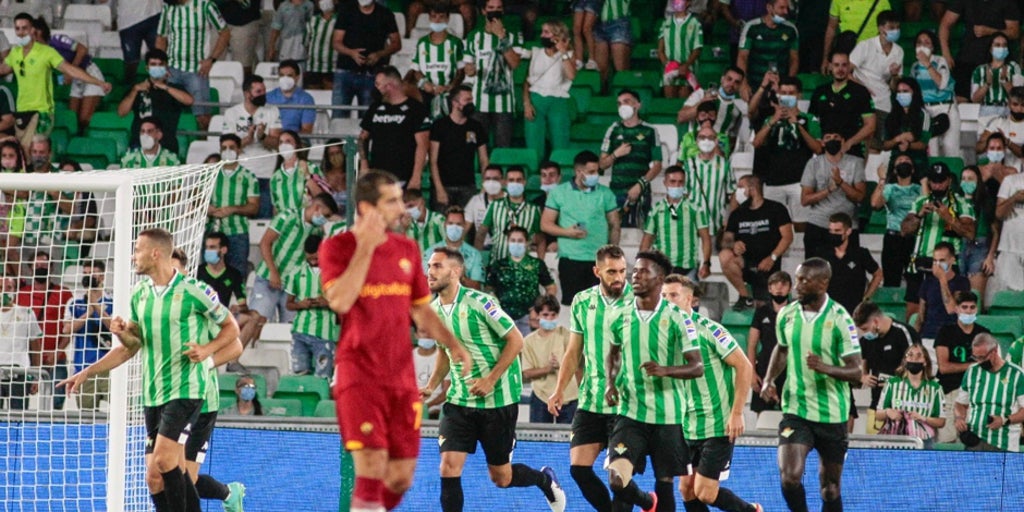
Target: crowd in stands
(529,134)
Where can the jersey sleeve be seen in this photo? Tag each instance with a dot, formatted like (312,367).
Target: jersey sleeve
(886,400)
(53,58)
(847,338)
(606,142)
(214,17)
(335,254)
(495,317)
(420,291)
(209,302)
(725,343)
(161,28)
(576,315)
(690,339)
(781,322)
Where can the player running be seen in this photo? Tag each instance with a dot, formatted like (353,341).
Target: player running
(484,405)
(373,278)
(592,425)
(714,408)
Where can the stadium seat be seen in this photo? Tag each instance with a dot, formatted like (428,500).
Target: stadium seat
(738,321)
(589,79)
(871,166)
(108,47)
(320,97)
(226,88)
(266,69)
(112,69)
(227,398)
(325,409)
(112,126)
(227,381)
(281,407)
(525,157)
(603,111)
(67,119)
(644,82)
(588,132)
(228,68)
(742,164)
(87,14)
(1002,324)
(345,126)
(99,152)
(1007,302)
(661,110)
(307,389)
(564,158)
(275,362)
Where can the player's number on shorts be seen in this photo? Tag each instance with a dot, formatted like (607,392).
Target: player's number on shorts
(417,408)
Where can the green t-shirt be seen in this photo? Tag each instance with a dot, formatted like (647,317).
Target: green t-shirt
(587,209)
(645,148)
(933,228)
(592,311)
(676,229)
(710,397)
(34,73)
(898,203)
(767,46)
(232,188)
(304,284)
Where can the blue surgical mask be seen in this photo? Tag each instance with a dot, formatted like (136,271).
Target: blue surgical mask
(944,266)
(676,192)
(787,100)
(414,212)
(969,186)
(454,232)
(157,72)
(211,256)
(438,27)
(547,188)
(1000,53)
(904,98)
(248,393)
(892,35)
(318,220)
(22,41)
(517,249)
(426,343)
(548,325)
(515,189)
(778,19)
(724,95)
(870,335)
(591,180)
(967,319)
(995,155)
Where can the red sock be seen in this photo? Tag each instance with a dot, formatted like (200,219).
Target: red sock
(368,493)
(391,499)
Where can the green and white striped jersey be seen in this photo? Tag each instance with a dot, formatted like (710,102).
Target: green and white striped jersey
(320,51)
(438,62)
(288,249)
(933,228)
(233,187)
(676,229)
(614,9)
(182,312)
(503,214)
(682,36)
(662,335)
(186,28)
(40,211)
(714,181)
(136,159)
(925,400)
(212,401)
(304,284)
(996,94)
(987,394)
(479,323)
(288,186)
(494,90)
(428,234)
(709,398)
(592,312)
(829,334)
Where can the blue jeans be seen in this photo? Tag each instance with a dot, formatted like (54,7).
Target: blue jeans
(197,86)
(132,38)
(348,85)
(238,253)
(539,411)
(312,354)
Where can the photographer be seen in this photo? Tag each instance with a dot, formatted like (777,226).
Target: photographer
(990,406)
(87,320)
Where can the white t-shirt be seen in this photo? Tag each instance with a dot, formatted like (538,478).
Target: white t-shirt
(132,12)
(476,211)
(1010,129)
(1012,235)
(238,120)
(871,68)
(18,326)
(547,75)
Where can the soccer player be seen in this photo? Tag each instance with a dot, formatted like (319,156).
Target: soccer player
(373,278)
(820,351)
(484,405)
(170,312)
(592,425)
(653,345)
(714,407)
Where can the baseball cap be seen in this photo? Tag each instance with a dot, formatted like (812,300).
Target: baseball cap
(939,172)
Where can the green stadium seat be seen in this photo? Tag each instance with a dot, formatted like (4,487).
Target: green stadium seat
(604,110)
(525,157)
(111,126)
(564,159)
(325,409)
(955,163)
(65,118)
(661,110)
(864,209)
(112,69)
(1007,302)
(1002,324)
(709,74)
(227,398)
(581,95)
(281,407)
(588,78)
(888,295)
(644,82)
(645,57)
(59,140)
(96,151)
(307,389)
(877,224)
(590,133)
(737,320)
(227,381)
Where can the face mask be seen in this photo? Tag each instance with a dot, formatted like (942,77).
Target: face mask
(259,101)
(468,109)
(1017,116)
(787,100)
(336,160)
(426,343)
(914,368)
(835,239)
(944,266)
(147,142)
(22,41)
(904,170)
(365,3)
(779,299)
(90,282)
(248,393)
(547,42)
(626,112)
(591,180)
(833,146)
(969,186)
(676,192)
(453,232)
(706,146)
(157,72)
(724,95)
(492,187)
(548,325)
(39,162)
(547,188)
(211,256)
(778,19)
(870,335)
(904,98)
(8,164)
(1000,53)
(517,249)
(966,318)
(995,155)
(286,83)
(677,20)
(318,220)
(892,35)
(494,15)
(326,5)
(439,27)
(741,195)
(515,189)
(925,50)
(229,155)
(986,365)
(414,212)
(286,150)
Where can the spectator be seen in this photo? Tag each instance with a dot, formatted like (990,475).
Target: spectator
(256,123)
(759,232)
(315,330)
(730,107)
(477,206)
(898,200)
(526,11)
(87,322)
(851,264)
(632,150)
(183,33)
(458,142)
(613,40)
(281,252)
(676,225)
(546,100)
(680,40)
(550,177)
(395,133)
(46,299)
(712,179)
(288,30)
(361,49)
(908,128)
(978,252)
(426,226)
(137,22)
(40,207)
(290,184)
(991,82)
(782,147)
(584,20)
(953,354)
(1005,157)
(80,216)
(844,107)
(288,92)
(542,355)
(877,62)
(932,74)
(1010,211)
(833,182)
(32,65)
(707,116)
(761,338)
(912,396)
(937,305)
(437,63)
(465,8)
(236,199)
(319,72)
(228,282)
(7,111)
(155,97)
(769,44)
(981,22)
(517,278)
(454,238)
(332,178)
(989,402)
(247,402)
(492,54)
(854,16)
(583,215)
(21,337)
(736,14)
(884,344)
(84,97)
(150,152)
(424,359)
(243,20)
(509,212)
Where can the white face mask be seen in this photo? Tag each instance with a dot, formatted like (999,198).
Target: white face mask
(706,146)
(626,112)
(492,187)
(286,150)
(326,5)
(925,50)
(741,195)
(147,142)
(286,83)
(229,155)
(995,155)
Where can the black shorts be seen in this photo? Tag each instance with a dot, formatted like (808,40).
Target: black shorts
(172,420)
(634,440)
(758,280)
(711,457)
(462,427)
(199,440)
(591,428)
(829,439)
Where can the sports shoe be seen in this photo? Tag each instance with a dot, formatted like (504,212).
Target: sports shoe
(654,502)
(234,501)
(743,303)
(558,503)
(591,65)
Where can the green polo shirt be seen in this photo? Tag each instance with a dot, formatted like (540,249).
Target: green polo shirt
(584,208)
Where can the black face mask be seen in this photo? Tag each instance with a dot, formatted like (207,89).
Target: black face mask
(259,101)
(914,368)
(468,109)
(90,282)
(494,15)
(904,170)
(42,275)
(835,240)
(938,195)
(833,146)
(547,42)
(779,299)
(1017,116)
(986,365)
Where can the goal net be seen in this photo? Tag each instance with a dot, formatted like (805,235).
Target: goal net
(66,243)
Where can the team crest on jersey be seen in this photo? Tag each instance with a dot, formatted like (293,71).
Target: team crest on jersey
(786,432)
(491,309)
(366,428)
(470,137)
(829,324)
(405,265)
(620,448)
(785,37)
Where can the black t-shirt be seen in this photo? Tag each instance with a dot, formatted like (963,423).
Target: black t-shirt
(229,282)
(849,275)
(457,150)
(367,31)
(935,315)
(764,322)
(885,353)
(393,130)
(758,229)
(239,13)
(989,13)
(842,112)
(958,343)
(160,104)
(782,158)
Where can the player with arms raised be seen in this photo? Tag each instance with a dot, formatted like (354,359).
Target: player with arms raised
(373,278)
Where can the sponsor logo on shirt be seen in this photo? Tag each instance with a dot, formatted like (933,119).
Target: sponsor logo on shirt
(378,290)
(720,336)
(389,119)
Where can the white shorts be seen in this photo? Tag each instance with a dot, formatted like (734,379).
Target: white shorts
(80,89)
(789,196)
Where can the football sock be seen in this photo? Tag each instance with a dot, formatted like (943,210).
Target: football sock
(695,505)
(835,505)
(729,502)
(451,494)
(796,498)
(592,487)
(391,498)
(191,495)
(160,501)
(174,489)
(211,489)
(666,492)
(367,493)
(632,494)
(525,476)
